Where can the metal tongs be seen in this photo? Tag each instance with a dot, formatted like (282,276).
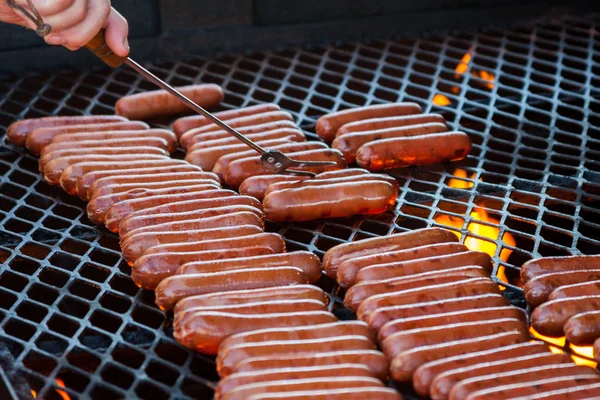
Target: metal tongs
(275,160)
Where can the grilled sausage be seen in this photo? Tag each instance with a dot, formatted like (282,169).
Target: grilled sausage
(350,143)
(100,137)
(41,137)
(341,328)
(588,392)
(546,265)
(136,245)
(443,383)
(467,287)
(70,176)
(54,169)
(539,288)
(374,393)
(550,318)
(404,314)
(403,366)
(363,290)
(256,186)
(206,158)
(18,131)
(401,241)
(419,337)
(411,267)
(247,296)
(184,124)
(426,373)
(347,271)
(115,190)
(591,288)
(159,143)
(177,287)
(583,329)
(127,207)
(305,260)
(290,387)
(417,150)
(389,122)
(464,388)
(337,200)
(342,173)
(241,169)
(328,125)
(274,130)
(232,381)
(160,103)
(205,330)
(225,161)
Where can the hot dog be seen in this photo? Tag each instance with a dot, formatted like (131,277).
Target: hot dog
(411,267)
(241,169)
(534,388)
(406,313)
(347,270)
(361,291)
(334,394)
(443,383)
(328,125)
(464,388)
(18,131)
(248,296)
(377,245)
(350,143)
(117,189)
(417,150)
(159,103)
(373,359)
(539,288)
(584,328)
(184,124)
(230,357)
(467,287)
(274,130)
(550,318)
(159,143)
(414,338)
(127,207)
(306,261)
(342,173)
(403,366)
(337,200)
(389,122)
(256,186)
(205,330)
(100,137)
(426,373)
(591,288)
(546,265)
(41,137)
(136,245)
(132,223)
(342,328)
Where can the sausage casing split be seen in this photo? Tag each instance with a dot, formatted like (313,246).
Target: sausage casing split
(328,125)
(177,287)
(549,318)
(41,137)
(374,393)
(256,186)
(416,150)
(184,124)
(205,330)
(389,122)
(546,265)
(539,288)
(18,131)
(336,200)
(401,241)
(584,328)
(271,131)
(100,137)
(160,103)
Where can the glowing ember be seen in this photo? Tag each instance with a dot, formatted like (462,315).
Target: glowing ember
(585,351)
(62,393)
(463,67)
(464,64)
(441,100)
(33,393)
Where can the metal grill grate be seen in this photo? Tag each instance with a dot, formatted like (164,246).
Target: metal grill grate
(68,308)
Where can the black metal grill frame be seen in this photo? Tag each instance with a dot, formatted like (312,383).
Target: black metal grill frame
(68,308)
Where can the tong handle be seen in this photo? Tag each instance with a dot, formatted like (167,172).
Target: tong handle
(101,50)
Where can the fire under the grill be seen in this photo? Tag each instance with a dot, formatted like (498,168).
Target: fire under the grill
(73,324)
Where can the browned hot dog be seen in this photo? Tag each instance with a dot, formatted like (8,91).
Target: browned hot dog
(417,150)
(274,130)
(160,103)
(359,393)
(350,143)
(107,144)
(401,241)
(100,137)
(389,122)
(591,288)
(18,131)
(328,125)
(546,265)
(537,388)
(184,124)
(116,189)
(550,318)
(588,392)
(539,288)
(584,328)
(337,200)
(41,137)
(256,186)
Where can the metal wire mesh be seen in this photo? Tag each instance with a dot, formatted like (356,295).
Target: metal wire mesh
(68,308)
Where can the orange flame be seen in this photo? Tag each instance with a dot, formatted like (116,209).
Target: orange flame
(62,393)
(463,67)
(587,352)
(33,393)
(441,100)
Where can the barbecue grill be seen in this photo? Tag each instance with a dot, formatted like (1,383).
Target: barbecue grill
(73,324)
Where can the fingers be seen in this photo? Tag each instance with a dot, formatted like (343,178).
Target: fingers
(80,34)
(68,17)
(51,7)
(117,31)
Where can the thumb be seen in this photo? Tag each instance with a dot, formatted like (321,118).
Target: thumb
(116,34)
